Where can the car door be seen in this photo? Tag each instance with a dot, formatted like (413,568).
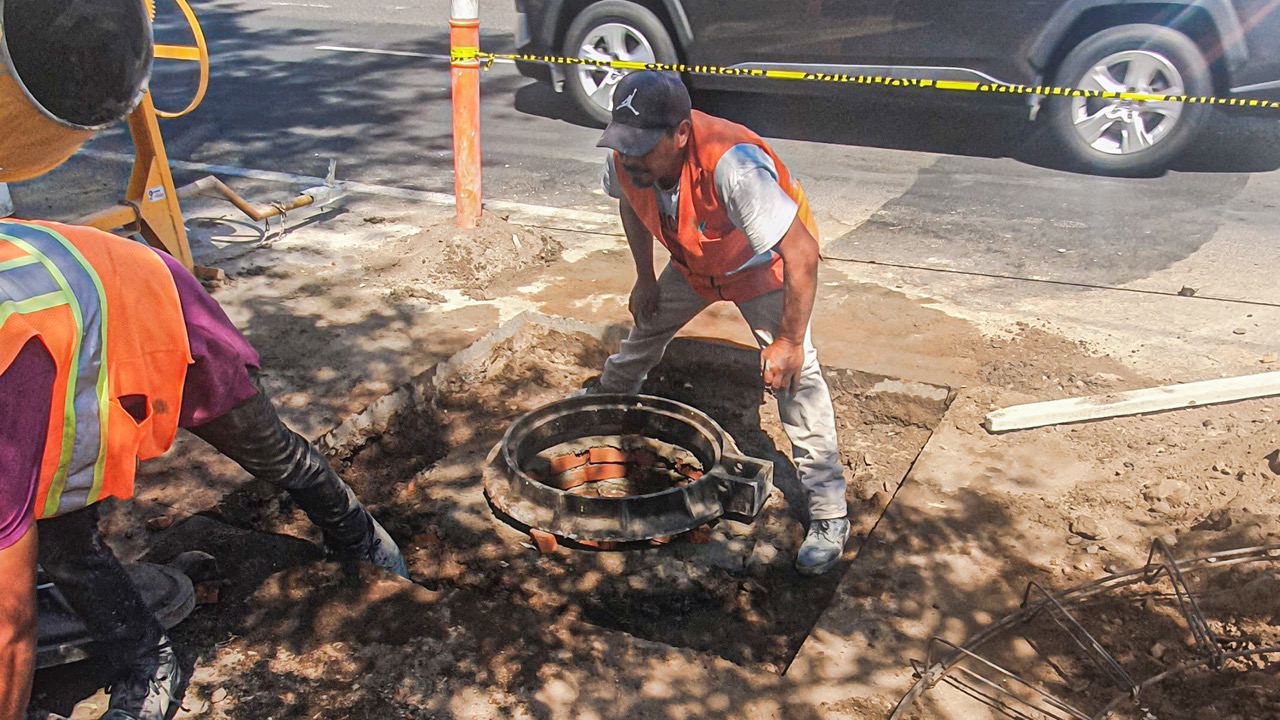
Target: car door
(1260,20)
(989,36)
(809,32)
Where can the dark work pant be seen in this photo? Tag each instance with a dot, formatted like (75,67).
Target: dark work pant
(253,435)
(95,584)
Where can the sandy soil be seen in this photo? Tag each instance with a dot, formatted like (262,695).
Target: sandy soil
(495,629)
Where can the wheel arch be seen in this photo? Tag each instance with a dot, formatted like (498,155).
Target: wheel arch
(1212,24)
(670,12)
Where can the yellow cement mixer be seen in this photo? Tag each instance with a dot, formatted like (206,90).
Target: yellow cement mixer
(68,68)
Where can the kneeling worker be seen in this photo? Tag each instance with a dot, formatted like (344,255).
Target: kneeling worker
(107,347)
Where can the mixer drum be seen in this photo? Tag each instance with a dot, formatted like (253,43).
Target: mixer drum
(68,68)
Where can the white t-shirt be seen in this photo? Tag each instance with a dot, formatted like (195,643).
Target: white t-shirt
(747,183)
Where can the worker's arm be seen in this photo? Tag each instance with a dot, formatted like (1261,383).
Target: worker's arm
(26,388)
(644,295)
(784,357)
(17,624)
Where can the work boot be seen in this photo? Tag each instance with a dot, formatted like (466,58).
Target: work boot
(384,552)
(822,546)
(591,387)
(348,529)
(253,435)
(152,689)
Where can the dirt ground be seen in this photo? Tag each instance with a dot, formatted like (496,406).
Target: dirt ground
(368,301)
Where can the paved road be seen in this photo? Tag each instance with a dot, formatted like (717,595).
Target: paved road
(957,188)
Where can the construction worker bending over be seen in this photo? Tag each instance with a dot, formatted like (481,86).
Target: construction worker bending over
(107,347)
(738,228)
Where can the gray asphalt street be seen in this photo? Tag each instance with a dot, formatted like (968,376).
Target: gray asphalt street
(960,188)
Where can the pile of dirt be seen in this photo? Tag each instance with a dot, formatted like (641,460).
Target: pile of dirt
(442,257)
(498,628)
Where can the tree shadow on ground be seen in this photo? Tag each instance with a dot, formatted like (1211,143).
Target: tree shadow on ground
(276,102)
(1104,639)
(495,629)
(492,626)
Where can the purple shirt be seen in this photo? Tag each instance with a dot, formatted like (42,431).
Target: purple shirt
(217,380)
(26,390)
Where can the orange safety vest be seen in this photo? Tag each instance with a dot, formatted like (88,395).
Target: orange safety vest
(107,311)
(707,247)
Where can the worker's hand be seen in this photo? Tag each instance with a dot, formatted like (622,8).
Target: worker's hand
(644,299)
(780,364)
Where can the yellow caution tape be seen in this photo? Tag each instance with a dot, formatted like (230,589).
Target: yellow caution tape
(469,54)
(465,54)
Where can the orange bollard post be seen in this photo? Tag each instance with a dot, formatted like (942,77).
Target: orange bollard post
(464,34)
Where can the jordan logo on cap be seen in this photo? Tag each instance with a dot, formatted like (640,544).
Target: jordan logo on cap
(627,104)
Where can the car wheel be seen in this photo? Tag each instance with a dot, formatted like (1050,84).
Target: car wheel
(1125,137)
(611,30)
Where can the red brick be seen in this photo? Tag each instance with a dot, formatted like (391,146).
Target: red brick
(569,480)
(689,471)
(608,471)
(545,541)
(565,463)
(602,455)
(700,535)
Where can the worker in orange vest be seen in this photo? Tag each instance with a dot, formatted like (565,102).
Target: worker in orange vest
(107,347)
(738,227)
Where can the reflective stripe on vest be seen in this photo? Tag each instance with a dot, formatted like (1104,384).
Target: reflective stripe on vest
(54,273)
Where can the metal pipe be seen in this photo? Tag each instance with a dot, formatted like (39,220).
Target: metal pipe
(464,35)
(211,185)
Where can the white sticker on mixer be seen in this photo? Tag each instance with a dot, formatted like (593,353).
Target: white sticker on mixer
(155,194)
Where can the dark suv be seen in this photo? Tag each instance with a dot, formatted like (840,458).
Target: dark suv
(1226,48)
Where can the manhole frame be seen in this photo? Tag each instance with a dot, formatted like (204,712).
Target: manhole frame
(733,485)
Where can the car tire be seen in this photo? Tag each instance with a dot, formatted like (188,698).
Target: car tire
(1115,137)
(617,30)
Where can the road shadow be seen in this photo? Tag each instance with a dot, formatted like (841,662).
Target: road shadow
(276,102)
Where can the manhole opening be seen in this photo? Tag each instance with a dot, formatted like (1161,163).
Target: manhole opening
(614,466)
(729,589)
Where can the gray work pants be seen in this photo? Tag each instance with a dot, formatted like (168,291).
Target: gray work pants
(807,415)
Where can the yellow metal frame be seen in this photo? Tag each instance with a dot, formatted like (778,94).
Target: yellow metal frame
(150,205)
(197,53)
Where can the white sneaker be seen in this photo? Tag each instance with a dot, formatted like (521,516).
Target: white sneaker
(592,386)
(152,689)
(822,546)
